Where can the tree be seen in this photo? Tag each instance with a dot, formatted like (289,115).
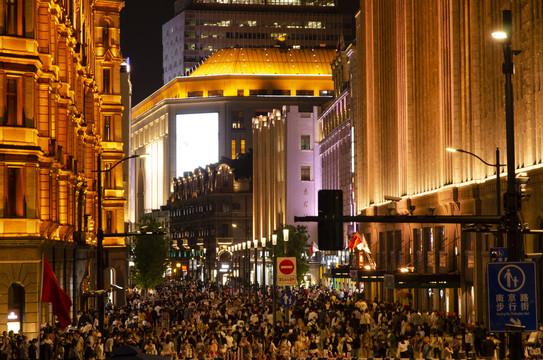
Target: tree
(150,253)
(296,247)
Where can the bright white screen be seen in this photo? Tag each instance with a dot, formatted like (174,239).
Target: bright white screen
(197,141)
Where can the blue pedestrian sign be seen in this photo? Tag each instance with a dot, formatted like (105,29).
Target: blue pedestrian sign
(287,299)
(511,295)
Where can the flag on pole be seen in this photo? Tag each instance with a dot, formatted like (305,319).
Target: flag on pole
(313,248)
(355,241)
(53,293)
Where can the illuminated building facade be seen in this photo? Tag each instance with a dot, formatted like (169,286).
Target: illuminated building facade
(60,106)
(286,171)
(429,76)
(203,27)
(336,155)
(217,101)
(210,210)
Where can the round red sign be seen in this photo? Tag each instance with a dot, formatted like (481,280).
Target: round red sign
(286,266)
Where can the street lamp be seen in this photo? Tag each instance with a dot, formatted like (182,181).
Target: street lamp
(497,165)
(285,248)
(515,244)
(263,240)
(255,244)
(274,272)
(243,266)
(249,268)
(100,236)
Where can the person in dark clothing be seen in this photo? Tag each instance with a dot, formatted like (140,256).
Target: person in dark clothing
(33,350)
(478,336)
(487,347)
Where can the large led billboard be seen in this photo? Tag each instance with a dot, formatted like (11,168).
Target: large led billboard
(197,137)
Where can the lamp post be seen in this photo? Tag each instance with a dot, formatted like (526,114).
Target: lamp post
(263,242)
(255,244)
(248,268)
(100,237)
(263,239)
(285,248)
(515,244)
(274,272)
(497,165)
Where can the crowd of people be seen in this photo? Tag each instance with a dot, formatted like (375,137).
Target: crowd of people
(187,320)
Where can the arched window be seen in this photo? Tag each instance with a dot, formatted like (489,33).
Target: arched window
(16,303)
(105,34)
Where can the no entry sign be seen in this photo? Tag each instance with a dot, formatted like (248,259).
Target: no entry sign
(286,271)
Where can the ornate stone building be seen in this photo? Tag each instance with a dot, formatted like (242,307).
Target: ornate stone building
(60,107)
(429,76)
(211,210)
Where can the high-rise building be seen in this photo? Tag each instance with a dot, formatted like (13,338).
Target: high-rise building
(60,107)
(196,120)
(200,28)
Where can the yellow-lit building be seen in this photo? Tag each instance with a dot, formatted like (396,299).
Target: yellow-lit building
(60,106)
(429,76)
(219,99)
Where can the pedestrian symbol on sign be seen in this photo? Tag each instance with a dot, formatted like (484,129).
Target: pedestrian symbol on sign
(511,278)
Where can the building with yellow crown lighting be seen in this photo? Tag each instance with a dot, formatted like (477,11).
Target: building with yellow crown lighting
(200,28)
(196,120)
(60,106)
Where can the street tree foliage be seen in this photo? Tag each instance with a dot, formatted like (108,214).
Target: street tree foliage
(150,253)
(296,247)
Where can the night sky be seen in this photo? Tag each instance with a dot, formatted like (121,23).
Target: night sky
(141,41)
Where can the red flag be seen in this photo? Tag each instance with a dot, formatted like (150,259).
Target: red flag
(355,241)
(311,250)
(53,293)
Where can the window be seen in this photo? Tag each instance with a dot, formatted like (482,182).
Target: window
(240,92)
(254,92)
(12,17)
(192,94)
(212,93)
(109,222)
(305,173)
(107,81)
(237,120)
(13,105)
(304,92)
(242,147)
(305,142)
(233,149)
(280,92)
(15,206)
(105,34)
(107,128)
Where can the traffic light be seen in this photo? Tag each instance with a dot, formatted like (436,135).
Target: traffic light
(330,219)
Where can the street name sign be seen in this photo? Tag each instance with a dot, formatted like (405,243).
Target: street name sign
(511,296)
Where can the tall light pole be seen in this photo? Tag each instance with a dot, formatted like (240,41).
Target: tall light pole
(263,242)
(100,238)
(274,271)
(285,248)
(263,273)
(255,243)
(249,268)
(497,165)
(515,244)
